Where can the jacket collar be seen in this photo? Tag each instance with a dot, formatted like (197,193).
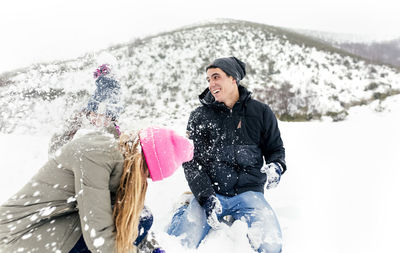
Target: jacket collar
(207,99)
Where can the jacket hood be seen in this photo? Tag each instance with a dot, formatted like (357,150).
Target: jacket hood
(207,99)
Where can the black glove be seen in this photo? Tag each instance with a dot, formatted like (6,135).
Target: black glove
(212,207)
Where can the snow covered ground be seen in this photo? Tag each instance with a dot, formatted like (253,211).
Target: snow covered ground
(338,195)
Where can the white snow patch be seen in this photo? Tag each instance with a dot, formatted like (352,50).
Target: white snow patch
(47,211)
(26,236)
(34,217)
(92,233)
(98,242)
(71,199)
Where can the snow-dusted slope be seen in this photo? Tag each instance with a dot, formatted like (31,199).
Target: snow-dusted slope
(162,75)
(384,49)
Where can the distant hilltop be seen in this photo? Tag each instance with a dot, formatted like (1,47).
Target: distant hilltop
(385,50)
(302,78)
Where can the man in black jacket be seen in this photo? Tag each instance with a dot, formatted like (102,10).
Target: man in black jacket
(238,150)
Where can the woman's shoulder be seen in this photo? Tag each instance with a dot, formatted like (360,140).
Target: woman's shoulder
(88,141)
(88,149)
(90,135)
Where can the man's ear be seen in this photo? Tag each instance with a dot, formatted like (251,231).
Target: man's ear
(234,80)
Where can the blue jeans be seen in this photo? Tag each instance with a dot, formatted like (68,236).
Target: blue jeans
(145,223)
(264,230)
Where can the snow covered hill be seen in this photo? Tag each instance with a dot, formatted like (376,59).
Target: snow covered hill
(385,49)
(161,76)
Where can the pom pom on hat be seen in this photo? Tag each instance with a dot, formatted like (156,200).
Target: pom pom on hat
(164,151)
(102,70)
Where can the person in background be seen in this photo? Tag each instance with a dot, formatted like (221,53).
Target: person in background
(102,110)
(237,151)
(89,196)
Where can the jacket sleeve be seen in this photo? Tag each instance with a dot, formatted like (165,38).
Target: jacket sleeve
(92,176)
(271,143)
(195,170)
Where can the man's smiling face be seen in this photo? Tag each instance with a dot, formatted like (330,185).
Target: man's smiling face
(221,86)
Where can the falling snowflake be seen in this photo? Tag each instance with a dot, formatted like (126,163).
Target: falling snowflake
(98,242)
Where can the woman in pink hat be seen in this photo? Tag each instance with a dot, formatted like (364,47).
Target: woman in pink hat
(91,194)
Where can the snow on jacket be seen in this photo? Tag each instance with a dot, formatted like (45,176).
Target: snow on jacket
(229,146)
(70,195)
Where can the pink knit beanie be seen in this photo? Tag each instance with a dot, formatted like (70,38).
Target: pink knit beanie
(164,151)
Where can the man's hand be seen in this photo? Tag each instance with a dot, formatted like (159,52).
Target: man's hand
(212,207)
(274,172)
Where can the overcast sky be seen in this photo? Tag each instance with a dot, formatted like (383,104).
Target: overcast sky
(42,30)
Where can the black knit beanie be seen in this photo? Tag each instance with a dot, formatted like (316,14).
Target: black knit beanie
(231,66)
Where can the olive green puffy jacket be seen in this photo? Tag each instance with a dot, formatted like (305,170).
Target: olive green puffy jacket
(70,195)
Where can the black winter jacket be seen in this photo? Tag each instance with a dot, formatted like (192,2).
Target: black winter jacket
(229,146)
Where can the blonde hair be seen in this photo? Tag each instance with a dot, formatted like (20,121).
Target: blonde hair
(130,194)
